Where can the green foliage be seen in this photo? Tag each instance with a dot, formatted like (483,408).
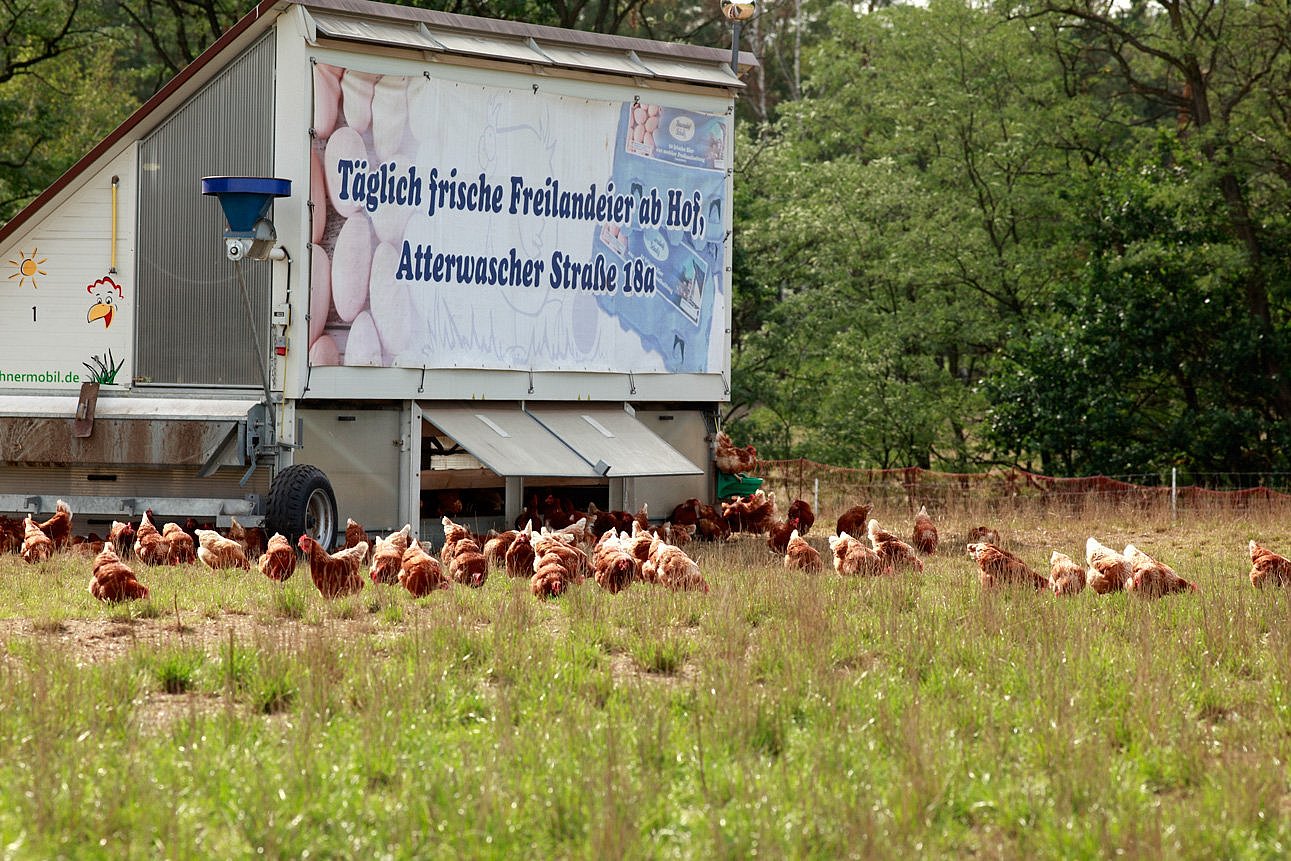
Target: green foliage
(910,231)
(1010,233)
(175,670)
(664,655)
(54,112)
(1146,362)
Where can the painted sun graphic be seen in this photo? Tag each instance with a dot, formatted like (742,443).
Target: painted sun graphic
(28,267)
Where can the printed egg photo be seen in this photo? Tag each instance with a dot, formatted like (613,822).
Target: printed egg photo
(345,144)
(351,266)
(356,99)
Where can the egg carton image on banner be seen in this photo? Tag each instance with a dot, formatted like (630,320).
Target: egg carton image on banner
(672,162)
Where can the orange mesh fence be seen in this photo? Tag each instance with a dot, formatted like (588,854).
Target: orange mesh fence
(837,487)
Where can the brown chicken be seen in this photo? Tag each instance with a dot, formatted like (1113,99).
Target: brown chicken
(461,556)
(36,545)
(800,510)
(335,574)
(532,515)
(468,565)
(1268,568)
(853,556)
(550,578)
(495,548)
(420,573)
(59,527)
(999,567)
(638,545)
(113,580)
(613,567)
(924,537)
(556,565)
(1152,579)
(686,513)
(801,556)
(251,538)
(356,535)
(1065,576)
(894,552)
(1108,570)
(520,555)
(671,567)
(447,502)
(278,562)
(708,524)
(561,544)
(731,458)
(387,556)
(219,552)
(984,535)
(674,533)
(453,533)
(854,520)
(91,545)
(149,546)
(580,532)
(182,551)
(555,512)
(711,526)
(779,534)
(122,537)
(753,514)
(601,522)
(11,532)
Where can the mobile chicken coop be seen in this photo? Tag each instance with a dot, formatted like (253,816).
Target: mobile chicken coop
(486,259)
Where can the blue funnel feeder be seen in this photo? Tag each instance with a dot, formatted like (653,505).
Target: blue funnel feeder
(245,199)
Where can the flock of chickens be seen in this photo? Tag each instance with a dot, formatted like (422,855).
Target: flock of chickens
(614,548)
(552,559)
(1106,570)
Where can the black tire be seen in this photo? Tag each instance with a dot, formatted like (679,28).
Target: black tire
(301,502)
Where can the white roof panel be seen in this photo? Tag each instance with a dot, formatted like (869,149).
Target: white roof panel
(613,438)
(375,30)
(506,440)
(593,61)
(493,47)
(691,70)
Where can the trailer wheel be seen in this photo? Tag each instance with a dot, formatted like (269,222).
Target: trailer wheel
(301,502)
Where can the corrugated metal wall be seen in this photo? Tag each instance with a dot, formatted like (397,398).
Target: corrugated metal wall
(192,326)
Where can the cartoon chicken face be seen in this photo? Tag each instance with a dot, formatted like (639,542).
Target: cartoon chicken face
(106,293)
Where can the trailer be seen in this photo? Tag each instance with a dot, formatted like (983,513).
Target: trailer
(370,261)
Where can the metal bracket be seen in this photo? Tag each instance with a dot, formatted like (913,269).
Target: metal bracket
(437,448)
(83,424)
(261,438)
(221,448)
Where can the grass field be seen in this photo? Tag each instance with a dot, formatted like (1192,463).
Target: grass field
(782,715)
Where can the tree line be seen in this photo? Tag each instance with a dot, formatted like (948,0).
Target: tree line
(1054,234)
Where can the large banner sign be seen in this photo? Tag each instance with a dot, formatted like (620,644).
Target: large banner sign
(468,226)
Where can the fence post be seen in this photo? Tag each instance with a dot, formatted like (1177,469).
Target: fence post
(815,494)
(1174,493)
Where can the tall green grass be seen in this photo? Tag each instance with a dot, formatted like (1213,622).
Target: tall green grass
(782,715)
